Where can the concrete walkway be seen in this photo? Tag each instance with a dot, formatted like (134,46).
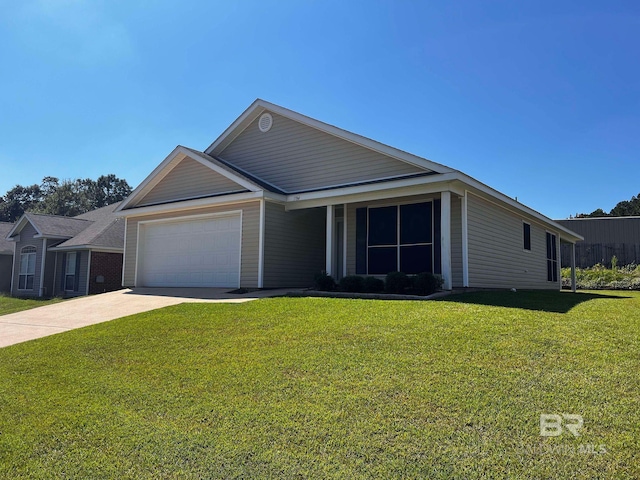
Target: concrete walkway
(80,312)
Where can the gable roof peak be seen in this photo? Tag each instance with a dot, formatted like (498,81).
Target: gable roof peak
(259,106)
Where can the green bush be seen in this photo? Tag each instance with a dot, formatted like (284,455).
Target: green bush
(373,285)
(352,283)
(324,282)
(426,283)
(397,282)
(599,277)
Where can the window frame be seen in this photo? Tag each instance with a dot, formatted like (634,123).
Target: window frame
(398,245)
(524,236)
(553,260)
(28,251)
(67,274)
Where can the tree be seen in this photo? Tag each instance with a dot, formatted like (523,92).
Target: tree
(19,200)
(624,208)
(69,198)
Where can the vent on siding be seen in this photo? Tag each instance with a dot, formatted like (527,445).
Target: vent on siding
(265,122)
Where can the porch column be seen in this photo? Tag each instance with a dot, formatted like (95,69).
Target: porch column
(344,240)
(573,267)
(465,242)
(445,238)
(329,242)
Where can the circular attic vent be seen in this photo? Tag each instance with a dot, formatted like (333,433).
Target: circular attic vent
(265,122)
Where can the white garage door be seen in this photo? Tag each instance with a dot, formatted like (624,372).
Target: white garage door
(203,252)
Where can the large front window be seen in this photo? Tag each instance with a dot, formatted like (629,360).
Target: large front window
(400,238)
(27,268)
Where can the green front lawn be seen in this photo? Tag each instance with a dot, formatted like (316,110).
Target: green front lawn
(317,388)
(12,305)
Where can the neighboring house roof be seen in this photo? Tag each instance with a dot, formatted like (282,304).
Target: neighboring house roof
(6,247)
(97,228)
(51,225)
(106,230)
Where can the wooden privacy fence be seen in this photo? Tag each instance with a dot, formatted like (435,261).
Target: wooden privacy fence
(588,254)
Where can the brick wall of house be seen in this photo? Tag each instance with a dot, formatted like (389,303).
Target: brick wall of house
(109,266)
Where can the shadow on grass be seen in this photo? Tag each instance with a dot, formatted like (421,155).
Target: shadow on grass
(544,301)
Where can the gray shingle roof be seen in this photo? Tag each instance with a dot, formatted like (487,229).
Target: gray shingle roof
(98,228)
(105,229)
(6,247)
(57,226)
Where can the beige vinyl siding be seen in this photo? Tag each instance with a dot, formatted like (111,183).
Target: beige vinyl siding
(456,241)
(497,258)
(351,221)
(297,157)
(294,245)
(189,179)
(250,239)
(26,239)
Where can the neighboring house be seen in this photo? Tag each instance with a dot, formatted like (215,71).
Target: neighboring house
(280,196)
(6,257)
(67,256)
(605,237)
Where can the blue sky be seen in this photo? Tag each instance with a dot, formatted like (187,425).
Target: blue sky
(539,100)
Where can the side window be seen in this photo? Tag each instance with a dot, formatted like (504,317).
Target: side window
(526,236)
(552,258)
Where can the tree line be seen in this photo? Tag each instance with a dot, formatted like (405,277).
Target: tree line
(625,208)
(67,197)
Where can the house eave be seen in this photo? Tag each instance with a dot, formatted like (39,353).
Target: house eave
(155,175)
(193,204)
(86,247)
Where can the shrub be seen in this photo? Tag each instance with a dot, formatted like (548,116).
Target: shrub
(373,285)
(324,282)
(426,283)
(397,282)
(352,283)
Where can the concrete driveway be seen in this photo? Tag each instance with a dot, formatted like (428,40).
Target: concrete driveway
(80,312)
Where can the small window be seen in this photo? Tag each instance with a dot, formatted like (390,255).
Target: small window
(552,258)
(27,268)
(70,272)
(526,234)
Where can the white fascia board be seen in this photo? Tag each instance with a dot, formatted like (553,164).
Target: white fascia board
(53,237)
(260,105)
(159,173)
(234,130)
(569,235)
(86,247)
(403,187)
(192,204)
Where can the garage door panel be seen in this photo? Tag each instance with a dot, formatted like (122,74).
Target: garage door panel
(193,253)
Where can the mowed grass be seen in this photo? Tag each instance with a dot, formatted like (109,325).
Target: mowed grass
(332,388)
(12,305)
